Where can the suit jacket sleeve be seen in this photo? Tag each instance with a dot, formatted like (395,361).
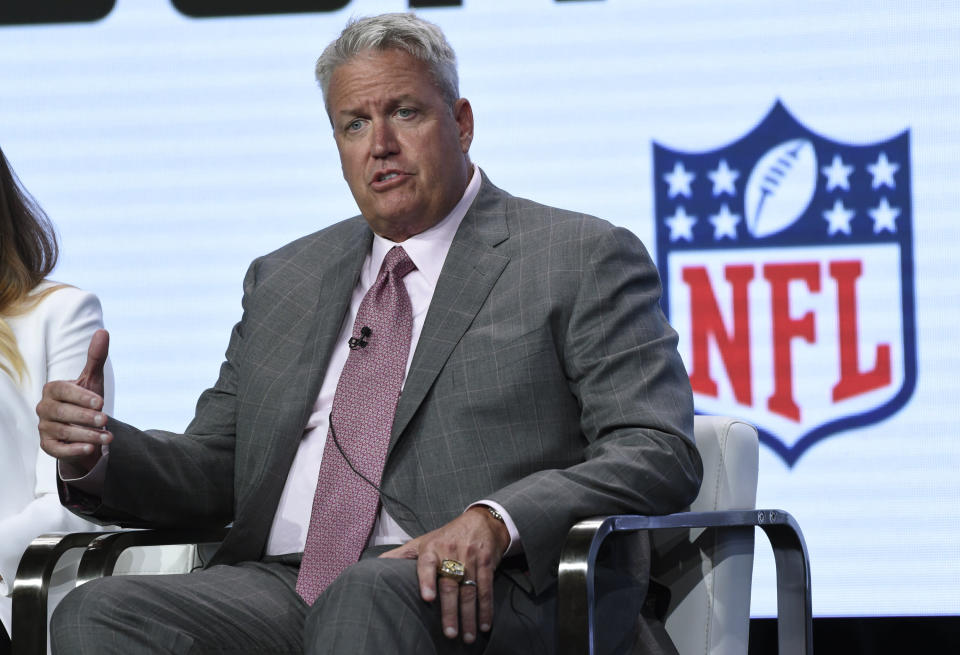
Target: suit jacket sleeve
(636,411)
(232,460)
(156,478)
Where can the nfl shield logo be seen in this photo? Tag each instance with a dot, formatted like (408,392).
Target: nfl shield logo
(787,264)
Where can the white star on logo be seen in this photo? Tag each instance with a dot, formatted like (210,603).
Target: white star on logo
(681,225)
(884,217)
(724,223)
(838,174)
(679,180)
(883,172)
(838,218)
(723,179)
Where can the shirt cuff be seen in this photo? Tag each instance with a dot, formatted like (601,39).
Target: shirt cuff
(516,546)
(92,482)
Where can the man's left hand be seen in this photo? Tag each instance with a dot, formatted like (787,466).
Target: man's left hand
(476,539)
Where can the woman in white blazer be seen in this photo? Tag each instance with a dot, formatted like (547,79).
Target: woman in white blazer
(45,329)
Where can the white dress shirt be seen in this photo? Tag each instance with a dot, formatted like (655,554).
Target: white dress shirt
(428,250)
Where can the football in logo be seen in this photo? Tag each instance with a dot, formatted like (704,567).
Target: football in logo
(780,187)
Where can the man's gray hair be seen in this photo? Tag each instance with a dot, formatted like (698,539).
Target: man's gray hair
(401,31)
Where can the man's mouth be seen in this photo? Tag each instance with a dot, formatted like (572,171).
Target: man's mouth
(386,176)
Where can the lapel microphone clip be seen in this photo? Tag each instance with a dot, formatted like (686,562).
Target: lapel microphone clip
(361,341)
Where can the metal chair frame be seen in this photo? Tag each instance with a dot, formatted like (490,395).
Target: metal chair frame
(575,591)
(102,549)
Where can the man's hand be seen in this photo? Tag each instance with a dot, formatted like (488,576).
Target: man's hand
(478,540)
(71,423)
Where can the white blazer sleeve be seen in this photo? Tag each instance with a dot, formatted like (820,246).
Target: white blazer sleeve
(54,340)
(68,329)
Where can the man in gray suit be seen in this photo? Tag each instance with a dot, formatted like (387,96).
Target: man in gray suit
(542,386)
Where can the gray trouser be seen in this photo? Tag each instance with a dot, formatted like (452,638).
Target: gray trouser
(253,607)
(374,607)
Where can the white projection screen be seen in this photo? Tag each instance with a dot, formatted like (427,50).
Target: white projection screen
(792,167)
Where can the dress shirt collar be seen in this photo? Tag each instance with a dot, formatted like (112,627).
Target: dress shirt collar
(428,250)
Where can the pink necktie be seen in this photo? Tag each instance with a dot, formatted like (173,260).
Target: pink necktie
(344,505)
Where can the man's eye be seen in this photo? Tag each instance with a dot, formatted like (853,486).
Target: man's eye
(405,112)
(353,126)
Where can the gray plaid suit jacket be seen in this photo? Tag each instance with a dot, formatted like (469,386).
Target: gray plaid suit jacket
(546,378)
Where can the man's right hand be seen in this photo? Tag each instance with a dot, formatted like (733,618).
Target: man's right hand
(71,420)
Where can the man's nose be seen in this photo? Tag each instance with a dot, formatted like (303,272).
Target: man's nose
(384,140)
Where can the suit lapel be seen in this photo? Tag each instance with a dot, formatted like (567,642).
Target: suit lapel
(471,269)
(338,281)
(327,289)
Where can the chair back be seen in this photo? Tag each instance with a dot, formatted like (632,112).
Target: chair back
(709,571)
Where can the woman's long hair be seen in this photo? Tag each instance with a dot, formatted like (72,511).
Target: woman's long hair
(28,252)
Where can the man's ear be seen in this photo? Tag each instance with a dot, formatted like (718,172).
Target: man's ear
(463,114)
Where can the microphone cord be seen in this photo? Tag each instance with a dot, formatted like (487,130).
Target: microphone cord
(521,614)
(336,442)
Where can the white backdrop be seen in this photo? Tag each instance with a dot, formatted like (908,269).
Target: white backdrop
(171,151)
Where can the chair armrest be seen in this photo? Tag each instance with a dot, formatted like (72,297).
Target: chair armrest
(31,586)
(102,553)
(575,583)
(32,583)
